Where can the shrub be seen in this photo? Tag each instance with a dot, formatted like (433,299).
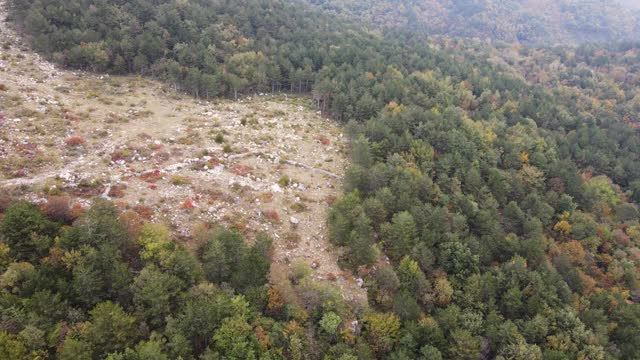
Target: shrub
(5,201)
(75,141)
(151,177)
(299,207)
(241,170)
(117,191)
(219,138)
(322,139)
(284,181)
(145,211)
(58,208)
(291,240)
(299,271)
(187,205)
(179,180)
(272,215)
(124,154)
(3,87)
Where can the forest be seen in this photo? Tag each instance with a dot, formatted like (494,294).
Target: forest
(500,181)
(539,22)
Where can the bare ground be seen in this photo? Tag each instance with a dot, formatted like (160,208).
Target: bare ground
(174,159)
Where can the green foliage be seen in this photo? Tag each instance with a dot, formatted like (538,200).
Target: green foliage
(145,350)
(226,258)
(329,323)
(26,231)
(155,294)
(111,329)
(381,331)
(490,187)
(97,293)
(11,348)
(235,339)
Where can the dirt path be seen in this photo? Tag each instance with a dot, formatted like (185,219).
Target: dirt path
(264,164)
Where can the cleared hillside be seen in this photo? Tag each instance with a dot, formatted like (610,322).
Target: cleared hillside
(256,165)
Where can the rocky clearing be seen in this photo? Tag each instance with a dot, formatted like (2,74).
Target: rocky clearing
(263,164)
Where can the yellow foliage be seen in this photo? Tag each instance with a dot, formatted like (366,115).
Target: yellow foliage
(531,175)
(574,250)
(562,227)
(347,336)
(588,283)
(395,108)
(155,240)
(524,157)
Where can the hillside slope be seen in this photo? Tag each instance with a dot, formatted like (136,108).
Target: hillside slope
(252,165)
(524,21)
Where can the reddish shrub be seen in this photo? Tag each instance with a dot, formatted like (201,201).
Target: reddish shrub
(241,170)
(272,215)
(118,155)
(3,87)
(153,187)
(133,222)
(330,199)
(77,210)
(5,201)
(75,141)
(322,139)
(69,116)
(331,277)
(20,173)
(117,191)
(187,205)
(214,196)
(213,163)
(58,208)
(146,212)
(152,176)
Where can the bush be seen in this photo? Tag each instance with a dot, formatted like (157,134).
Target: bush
(58,208)
(299,271)
(187,205)
(272,215)
(75,141)
(26,230)
(179,180)
(284,181)
(291,240)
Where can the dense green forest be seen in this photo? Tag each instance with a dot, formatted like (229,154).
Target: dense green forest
(529,22)
(491,207)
